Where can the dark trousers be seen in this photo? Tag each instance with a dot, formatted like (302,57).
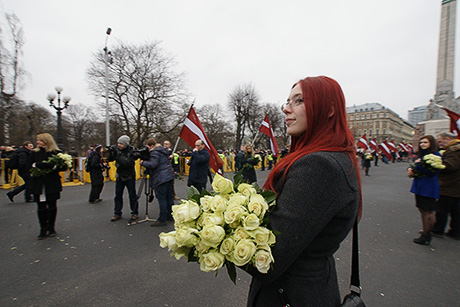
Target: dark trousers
(26,186)
(47,212)
(96,190)
(120,185)
(448,205)
(165,200)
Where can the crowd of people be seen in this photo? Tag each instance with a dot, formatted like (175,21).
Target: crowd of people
(317,186)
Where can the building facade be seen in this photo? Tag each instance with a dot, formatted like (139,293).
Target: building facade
(416,115)
(379,122)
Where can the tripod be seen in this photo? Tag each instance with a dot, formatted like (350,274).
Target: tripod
(148,191)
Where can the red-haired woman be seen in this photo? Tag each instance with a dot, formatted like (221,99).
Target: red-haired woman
(318,195)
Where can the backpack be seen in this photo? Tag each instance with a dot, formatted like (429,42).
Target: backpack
(13,162)
(88,164)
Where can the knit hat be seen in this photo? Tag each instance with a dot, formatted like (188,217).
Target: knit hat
(124,139)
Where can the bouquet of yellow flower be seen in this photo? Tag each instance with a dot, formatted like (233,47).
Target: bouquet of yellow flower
(431,162)
(226,228)
(60,161)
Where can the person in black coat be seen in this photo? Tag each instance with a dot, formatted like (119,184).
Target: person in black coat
(23,170)
(161,179)
(199,166)
(96,167)
(248,161)
(47,188)
(318,196)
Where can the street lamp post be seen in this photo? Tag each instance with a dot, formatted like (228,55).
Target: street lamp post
(59,108)
(106,60)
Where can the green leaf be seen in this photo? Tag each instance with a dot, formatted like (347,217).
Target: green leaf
(231,270)
(269,196)
(238,178)
(192,192)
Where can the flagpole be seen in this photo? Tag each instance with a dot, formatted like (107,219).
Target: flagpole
(257,134)
(175,146)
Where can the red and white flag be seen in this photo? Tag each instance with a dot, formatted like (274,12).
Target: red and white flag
(362,142)
(266,129)
(386,150)
(404,147)
(193,131)
(454,122)
(373,144)
(392,145)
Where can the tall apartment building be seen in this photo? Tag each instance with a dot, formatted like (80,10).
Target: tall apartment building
(416,115)
(379,122)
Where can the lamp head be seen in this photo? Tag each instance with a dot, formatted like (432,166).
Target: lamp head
(66,99)
(109,30)
(58,89)
(51,97)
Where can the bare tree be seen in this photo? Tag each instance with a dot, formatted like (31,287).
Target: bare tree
(216,127)
(243,103)
(11,71)
(147,97)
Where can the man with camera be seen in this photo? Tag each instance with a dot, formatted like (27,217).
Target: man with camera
(161,179)
(125,158)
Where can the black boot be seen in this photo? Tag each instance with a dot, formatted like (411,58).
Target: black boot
(52,212)
(424,239)
(42,219)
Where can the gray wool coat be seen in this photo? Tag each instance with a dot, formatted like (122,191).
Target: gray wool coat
(316,207)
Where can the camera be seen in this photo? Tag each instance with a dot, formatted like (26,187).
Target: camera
(143,154)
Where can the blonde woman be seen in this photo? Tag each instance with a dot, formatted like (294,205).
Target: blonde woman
(46,189)
(248,161)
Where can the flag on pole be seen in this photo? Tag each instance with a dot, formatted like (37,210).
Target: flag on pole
(386,150)
(404,147)
(266,129)
(193,131)
(454,122)
(373,144)
(363,142)
(392,145)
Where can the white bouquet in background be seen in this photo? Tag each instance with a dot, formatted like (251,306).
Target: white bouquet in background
(226,228)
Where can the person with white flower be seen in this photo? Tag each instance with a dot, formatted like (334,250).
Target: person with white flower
(248,162)
(318,196)
(425,187)
(46,183)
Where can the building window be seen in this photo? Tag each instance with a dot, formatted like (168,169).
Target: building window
(364,131)
(370,132)
(377,132)
(384,131)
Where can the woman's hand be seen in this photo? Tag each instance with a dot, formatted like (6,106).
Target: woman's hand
(410,172)
(418,160)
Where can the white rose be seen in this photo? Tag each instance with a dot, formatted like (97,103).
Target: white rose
(168,240)
(216,218)
(263,236)
(246,189)
(212,235)
(185,212)
(234,214)
(257,205)
(222,185)
(227,246)
(205,203)
(251,222)
(201,247)
(240,233)
(244,251)
(237,199)
(218,204)
(211,261)
(262,260)
(187,237)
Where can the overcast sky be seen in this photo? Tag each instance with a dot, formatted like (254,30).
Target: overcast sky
(379,51)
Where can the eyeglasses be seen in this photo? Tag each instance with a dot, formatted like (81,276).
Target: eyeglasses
(292,103)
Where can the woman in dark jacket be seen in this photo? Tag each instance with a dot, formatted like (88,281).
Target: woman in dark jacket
(47,188)
(161,179)
(96,167)
(318,195)
(425,187)
(248,161)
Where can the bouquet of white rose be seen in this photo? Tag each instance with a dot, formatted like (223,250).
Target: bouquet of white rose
(226,228)
(60,161)
(431,162)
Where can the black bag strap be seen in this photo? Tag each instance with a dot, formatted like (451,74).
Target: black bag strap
(354,280)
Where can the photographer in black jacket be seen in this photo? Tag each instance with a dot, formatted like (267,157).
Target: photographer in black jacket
(24,165)
(125,158)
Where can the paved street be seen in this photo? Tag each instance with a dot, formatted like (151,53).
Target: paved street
(94,262)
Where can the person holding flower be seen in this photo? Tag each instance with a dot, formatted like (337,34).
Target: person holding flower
(425,186)
(46,182)
(318,196)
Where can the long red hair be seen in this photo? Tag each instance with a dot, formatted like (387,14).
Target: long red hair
(327,127)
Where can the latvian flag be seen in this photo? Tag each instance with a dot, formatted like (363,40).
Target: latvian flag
(454,122)
(266,129)
(363,142)
(386,150)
